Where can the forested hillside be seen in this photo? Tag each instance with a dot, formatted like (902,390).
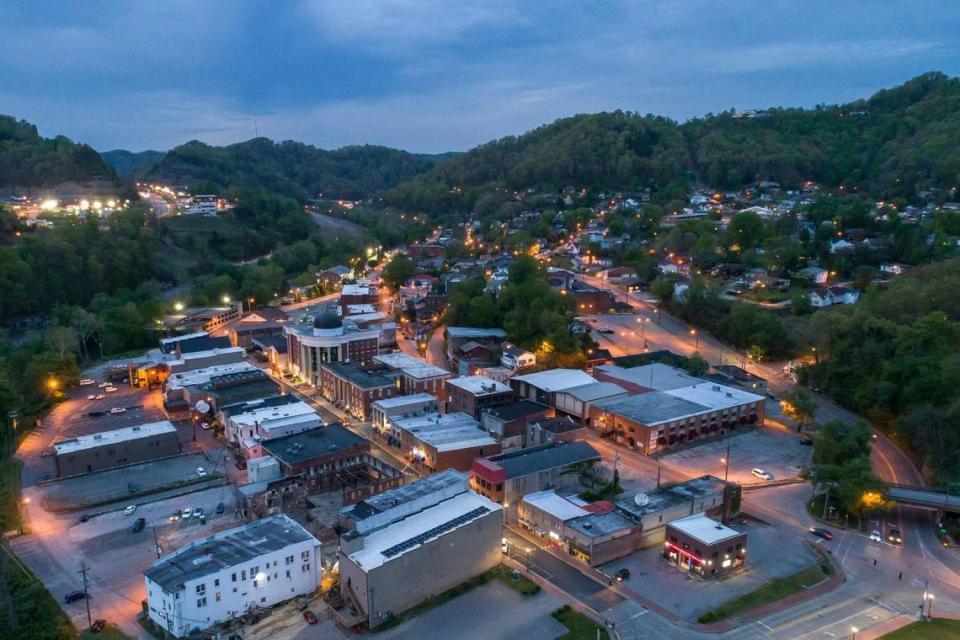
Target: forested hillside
(288,168)
(28,160)
(129,163)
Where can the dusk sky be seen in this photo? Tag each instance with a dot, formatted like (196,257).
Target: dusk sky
(437,75)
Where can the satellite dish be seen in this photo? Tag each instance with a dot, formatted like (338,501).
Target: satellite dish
(641,499)
(202,406)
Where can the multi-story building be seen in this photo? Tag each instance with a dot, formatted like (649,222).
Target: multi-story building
(474,394)
(508,423)
(435,529)
(355,388)
(255,425)
(354,294)
(218,578)
(415,375)
(319,454)
(507,477)
(108,449)
(655,510)
(411,406)
(315,341)
(437,442)
(544,386)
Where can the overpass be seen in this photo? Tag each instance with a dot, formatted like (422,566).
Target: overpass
(920,497)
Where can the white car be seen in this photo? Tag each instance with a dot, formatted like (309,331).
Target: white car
(109,389)
(198,512)
(186,513)
(763,475)
(201,472)
(103,384)
(87,381)
(205,426)
(99,396)
(129,510)
(875,536)
(92,396)
(118,410)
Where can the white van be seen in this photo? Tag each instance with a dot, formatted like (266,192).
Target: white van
(763,475)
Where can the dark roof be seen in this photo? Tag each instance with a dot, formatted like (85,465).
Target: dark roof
(559,425)
(315,443)
(535,459)
(246,391)
(277,341)
(260,403)
(360,377)
(327,321)
(203,343)
(517,410)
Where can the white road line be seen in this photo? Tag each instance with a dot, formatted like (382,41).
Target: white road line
(637,615)
(836,622)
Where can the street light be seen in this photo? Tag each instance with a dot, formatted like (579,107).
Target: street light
(854,630)
(696,334)
(226,299)
(178,306)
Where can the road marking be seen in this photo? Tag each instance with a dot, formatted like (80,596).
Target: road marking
(836,622)
(637,615)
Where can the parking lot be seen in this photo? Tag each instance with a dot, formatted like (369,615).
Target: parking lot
(774,450)
(774,552)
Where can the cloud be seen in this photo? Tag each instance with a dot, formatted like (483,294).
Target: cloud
(768,57)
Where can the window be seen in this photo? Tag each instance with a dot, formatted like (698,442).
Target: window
(216,582)
(288,560)
(243,574)
(201,588)
(218,596)
(288,573)
(201,602)
(233,577)
(305,568)
(304,555)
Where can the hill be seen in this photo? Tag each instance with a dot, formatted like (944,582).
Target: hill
(894,143)
(29,161)
(128,163)
(289,168)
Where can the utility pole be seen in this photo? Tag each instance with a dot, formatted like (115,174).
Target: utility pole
(658,476)
(726,469)
(826,501)
(156,542)
(86,596)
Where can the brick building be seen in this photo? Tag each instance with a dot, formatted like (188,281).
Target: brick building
(355,388)
(474,394)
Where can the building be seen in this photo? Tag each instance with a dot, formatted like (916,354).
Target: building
(589,299)
(352,294)
(654,421)
(402,407)
(513,357)
(415,543)
(742,378)
(508,423)
(218,578)
(707,494)
(193,360)
(474,394)
(255,325)
(316,340)
(254,424)
(354,388)
(545,513)
(704,547)
(415,375)
(646,378)
(437,442)
(117,448)
(601,537)
(507,477)
(274,350)
(319,454)
(543,386)
(576,401)
(458,336)
(203,319)
(549,430)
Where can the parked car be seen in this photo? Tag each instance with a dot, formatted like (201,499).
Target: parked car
(198,512)
(129,510)
(99,396)
(894,536)
(98,625)
(821,533)
(606,331)
(96,414)
(110,389)
(73,596)
(201,472)
(87,381)
(763,475)
(875,536)
(220,508)
(807,442)
(92,396)
(139,525)
(187,513)
(623,574)
(118,410)
(175,517)
(310,617)
(103,384)
(205,425)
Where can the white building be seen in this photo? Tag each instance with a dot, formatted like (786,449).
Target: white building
(215,579)
(269,422)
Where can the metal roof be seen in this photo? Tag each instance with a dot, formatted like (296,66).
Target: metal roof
(651,408)
(312,444)
(535,459)
(704,529)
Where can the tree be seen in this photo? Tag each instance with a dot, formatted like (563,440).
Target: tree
(63,340)
(398,271)
(798,405)
(746,232)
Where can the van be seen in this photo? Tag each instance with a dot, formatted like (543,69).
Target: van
(763,475)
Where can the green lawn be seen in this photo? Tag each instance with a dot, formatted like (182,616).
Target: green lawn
(936,629)
(9,494)
(109,633)
(772,591)
(37,614)
(579,626)
(521,585)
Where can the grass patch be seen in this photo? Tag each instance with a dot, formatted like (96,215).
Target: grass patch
(10,517)
(110,632)
(36,615)
(772,591)
(579,626)
(521,585)
(936,629)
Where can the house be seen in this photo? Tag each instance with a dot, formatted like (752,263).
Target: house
(816,275)
(833,295)
(334,277)
(513,357)
(508,423)
(840,244)
(894,268)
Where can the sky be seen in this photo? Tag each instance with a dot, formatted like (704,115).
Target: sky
(439,75)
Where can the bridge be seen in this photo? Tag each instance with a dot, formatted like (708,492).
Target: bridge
(920,497)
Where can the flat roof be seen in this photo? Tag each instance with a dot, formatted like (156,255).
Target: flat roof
(202,376)
(652,408)
(255,405)
(534,459)
(519,409)
(226,549)
(267,415)
(410,365)
(403,401)
(312,444)
(682,493)
(475,332)
(657,376)
(433,485)
(116,436)
(479,385)
(716,396)
(401,537)
(556,379)
(447,432)
(551,503)
(602,523)
(187,336)
(595,391)
(704,529)
(358,376)
(358,290)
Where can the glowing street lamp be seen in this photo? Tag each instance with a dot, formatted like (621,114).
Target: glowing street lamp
(178,306)
(696,334)
(226,299)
